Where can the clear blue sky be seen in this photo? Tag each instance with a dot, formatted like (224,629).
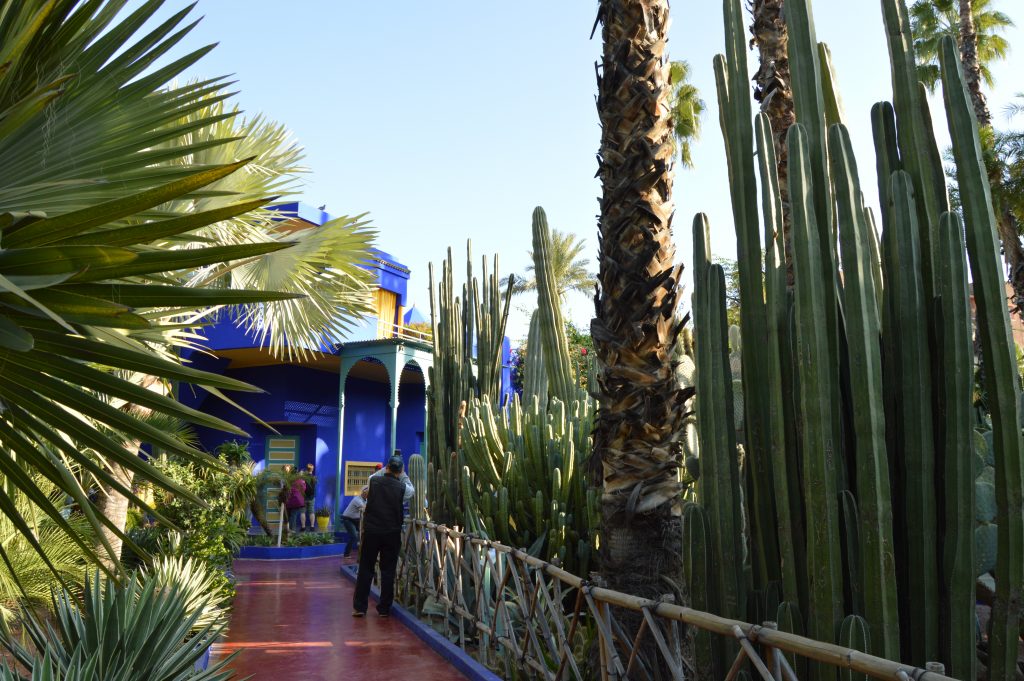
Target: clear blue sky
(450,120)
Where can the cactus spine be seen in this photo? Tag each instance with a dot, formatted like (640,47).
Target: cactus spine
(1002,382)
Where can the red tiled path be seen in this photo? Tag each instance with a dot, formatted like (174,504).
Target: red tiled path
(293,620)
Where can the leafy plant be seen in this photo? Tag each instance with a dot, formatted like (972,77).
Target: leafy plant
(28,577)
(295,539)
(196,583)
(323,512)
(129,632)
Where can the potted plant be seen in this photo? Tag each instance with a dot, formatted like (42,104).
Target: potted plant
(323,517)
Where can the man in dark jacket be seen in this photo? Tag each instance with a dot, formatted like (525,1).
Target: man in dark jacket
(382,536)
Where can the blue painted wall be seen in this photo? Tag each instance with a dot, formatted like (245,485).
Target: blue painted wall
(310,398)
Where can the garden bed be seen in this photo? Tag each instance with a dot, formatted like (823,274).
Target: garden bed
(261,547)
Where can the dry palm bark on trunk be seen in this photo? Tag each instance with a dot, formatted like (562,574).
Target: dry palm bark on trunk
(772,91)
(972,67)
(637,434)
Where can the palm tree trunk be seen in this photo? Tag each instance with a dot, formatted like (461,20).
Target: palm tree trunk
(114,506)
(972,67)
(257,510)
(1013,251)
(772,91)
(1009,234)
(640,415)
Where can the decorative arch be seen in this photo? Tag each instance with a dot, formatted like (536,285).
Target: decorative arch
(395,356)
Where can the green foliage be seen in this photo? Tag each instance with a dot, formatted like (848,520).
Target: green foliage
(129,632)
(293,539)
(932,20)
(196,583)
(30,576)
(687,110)
(323,512)
(211,533)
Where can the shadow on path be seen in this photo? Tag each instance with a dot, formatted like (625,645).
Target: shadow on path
(292,619)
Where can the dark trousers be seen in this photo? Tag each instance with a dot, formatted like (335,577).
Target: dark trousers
(387,546)
(352,529)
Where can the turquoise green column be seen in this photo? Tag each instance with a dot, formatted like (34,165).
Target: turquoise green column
(346,365)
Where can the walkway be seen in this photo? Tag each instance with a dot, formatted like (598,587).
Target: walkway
(292,619)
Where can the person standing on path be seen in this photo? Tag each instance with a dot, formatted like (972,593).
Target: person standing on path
(351,518)
(309,519)
(296,503)
(382,536)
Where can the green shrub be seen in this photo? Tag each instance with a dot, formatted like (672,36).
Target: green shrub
(129,632)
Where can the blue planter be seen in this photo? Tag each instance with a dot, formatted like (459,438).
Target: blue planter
(291,552)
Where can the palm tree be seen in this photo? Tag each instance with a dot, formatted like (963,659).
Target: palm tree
(324,265)
(93,250)
(687,109)
(772,90)
(640,414)
(571,272)
(976,27)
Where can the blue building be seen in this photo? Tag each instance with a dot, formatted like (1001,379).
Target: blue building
(343,409)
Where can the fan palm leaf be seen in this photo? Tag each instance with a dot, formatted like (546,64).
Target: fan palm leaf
(687,109)
(90,199)
(326,266)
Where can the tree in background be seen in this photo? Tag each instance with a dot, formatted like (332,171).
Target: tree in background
(571,273)
(641,406)
(687,110)
(978,29)
(732,289)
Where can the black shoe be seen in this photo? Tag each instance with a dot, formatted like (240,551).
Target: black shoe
(384,614)
(359,613)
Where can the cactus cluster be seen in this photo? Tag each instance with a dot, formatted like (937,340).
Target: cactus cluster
(512,472)
(858,454)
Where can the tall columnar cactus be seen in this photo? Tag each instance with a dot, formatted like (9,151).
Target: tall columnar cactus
(784,465)
(719,466)
(468,332)
(561,381)
(1002,382)
(697,569)
(814,365)
(418,475)
(535,379)
(734,101)
(863,328)
(874,411)
(958,600)
(915,444)
(516,470)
